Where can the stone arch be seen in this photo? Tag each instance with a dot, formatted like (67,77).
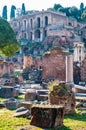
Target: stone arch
(38,22)
(37,34)
(46,20)
(31,23)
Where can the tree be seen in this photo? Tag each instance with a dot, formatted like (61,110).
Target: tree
(18,12)
(67,11)
(23,8)
(8,43)
(4,13)
(81,7)
(57,6)
(12,13)
(74,12)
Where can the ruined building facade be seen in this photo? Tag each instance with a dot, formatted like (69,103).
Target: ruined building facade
(39,31)
(37,25)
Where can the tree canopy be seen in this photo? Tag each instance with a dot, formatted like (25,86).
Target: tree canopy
(79,14)
(8,43)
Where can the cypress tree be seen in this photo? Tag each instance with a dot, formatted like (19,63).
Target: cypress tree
(23,8)
(4,12)
(12,13)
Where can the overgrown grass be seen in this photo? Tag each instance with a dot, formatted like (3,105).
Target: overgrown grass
(9,122)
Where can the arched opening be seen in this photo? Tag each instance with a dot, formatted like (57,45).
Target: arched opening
(31,36)
(25,25)
(31,23)
(46,20)
(37,34)
(45,33)
(38,22)
(70,24)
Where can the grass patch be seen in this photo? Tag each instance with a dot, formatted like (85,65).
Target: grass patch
(9,122)
(76,121)
(20,97)
(2,99)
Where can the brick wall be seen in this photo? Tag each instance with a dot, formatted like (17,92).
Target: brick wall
(54,65)
(83,70)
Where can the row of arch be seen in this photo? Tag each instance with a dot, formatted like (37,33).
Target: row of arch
(37,34)
(39,22)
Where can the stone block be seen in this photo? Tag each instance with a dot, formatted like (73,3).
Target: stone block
(47,116)
(8,92)
(30,95)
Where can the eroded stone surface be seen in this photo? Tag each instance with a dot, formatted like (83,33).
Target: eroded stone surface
(47,116)
(60,94)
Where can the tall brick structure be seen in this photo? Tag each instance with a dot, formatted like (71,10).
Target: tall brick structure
(58,65)
(83,70)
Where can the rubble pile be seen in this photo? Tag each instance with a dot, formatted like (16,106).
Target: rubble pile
(47,116)
(61,94)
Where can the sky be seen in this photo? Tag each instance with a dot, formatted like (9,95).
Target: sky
(38,4)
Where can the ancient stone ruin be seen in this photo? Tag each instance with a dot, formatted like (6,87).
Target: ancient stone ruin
(61,100)
(61,93)
(30,95)
(47,116)
(8,92)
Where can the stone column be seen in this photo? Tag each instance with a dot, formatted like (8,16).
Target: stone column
(41,35)
(69,68)
(33,37)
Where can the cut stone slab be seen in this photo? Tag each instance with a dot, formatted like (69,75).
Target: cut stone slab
(47,116)
(30,95)
(8,92)
(26,104)
(22,112)
(11,103)
(42,97)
